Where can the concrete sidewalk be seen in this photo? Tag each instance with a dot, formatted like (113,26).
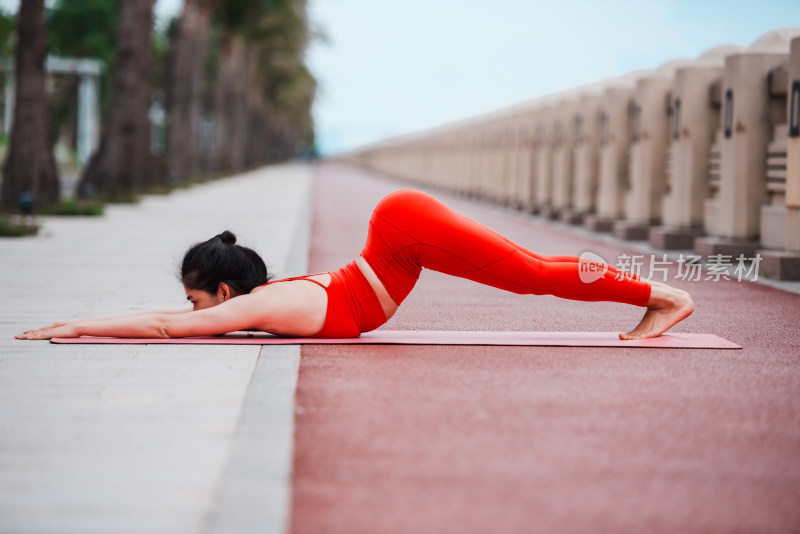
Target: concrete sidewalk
(142,438)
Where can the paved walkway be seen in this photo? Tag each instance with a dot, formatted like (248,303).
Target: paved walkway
(178,439)
(544,439)
(146,439)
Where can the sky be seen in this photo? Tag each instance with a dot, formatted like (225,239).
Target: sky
(390,67)
(397,66)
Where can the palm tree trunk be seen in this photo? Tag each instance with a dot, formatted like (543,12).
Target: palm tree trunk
(188,89)
(30,166)
(242,111)
(231,104)
(122,163)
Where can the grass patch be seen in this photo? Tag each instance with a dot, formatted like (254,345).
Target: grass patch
(11,227)
(158,190)
(124,198)
(76,207)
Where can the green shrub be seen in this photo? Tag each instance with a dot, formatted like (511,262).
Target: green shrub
(13,228)
(90,208)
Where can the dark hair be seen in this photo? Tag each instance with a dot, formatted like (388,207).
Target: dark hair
(208,264)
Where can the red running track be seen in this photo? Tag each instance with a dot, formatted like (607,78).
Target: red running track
(417,439)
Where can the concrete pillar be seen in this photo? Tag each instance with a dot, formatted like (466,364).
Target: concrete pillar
(742,148)
(454,162)
(784,264)
(694,120)
(461,172)
(440,173)
(544,140)
(88,135)
(508,149)
(518,160)
(615,139)
(458,167)
(563,145)
(158,117)
(650,125)
(524,189)
(733,212)
(497,163)
(428,150)
(418,160)
(695,116)
(514,172)
(793,154)
(772,226)
(486,162)
(88,72)
(471,154)
(586,154)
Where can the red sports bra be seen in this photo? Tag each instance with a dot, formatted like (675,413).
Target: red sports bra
(353,306)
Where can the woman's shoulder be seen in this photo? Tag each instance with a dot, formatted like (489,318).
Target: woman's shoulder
(322,279)
(290,307)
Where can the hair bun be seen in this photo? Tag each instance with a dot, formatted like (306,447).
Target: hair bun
(227,237)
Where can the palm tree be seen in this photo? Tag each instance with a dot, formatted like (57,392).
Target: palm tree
(230,103)
(122,163)
(238,68)
(269,118)
(30,168)
(188,75)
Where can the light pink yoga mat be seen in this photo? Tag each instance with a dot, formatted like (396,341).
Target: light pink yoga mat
(430,337)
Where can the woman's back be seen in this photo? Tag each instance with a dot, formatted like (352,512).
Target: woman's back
(293,307)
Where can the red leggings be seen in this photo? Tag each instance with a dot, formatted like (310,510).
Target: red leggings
(410,230)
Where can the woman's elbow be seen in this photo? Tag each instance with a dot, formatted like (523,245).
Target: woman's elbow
(164,329)
(179,326)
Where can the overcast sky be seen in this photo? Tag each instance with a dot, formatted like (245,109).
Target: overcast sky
(396,66)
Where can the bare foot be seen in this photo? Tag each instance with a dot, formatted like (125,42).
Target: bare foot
(667,306)
(669,288)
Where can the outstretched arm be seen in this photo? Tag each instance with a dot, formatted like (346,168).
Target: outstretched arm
(236,314)
(64,323)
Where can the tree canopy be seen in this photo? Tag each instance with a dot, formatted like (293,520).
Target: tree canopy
(229,77)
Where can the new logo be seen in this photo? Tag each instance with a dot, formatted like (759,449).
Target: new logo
(591,267)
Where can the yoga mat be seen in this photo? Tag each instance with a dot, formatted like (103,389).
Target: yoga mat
(431,337)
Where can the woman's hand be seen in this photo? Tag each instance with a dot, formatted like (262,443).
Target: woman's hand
(54,330)
(54,325)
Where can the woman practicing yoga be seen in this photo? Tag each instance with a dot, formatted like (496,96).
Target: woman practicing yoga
(408,230)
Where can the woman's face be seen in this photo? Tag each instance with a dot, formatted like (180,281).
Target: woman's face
(202,299)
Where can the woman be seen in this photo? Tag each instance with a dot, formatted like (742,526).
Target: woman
(408,230)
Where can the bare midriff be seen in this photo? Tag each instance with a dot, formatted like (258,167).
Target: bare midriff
(388,305)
